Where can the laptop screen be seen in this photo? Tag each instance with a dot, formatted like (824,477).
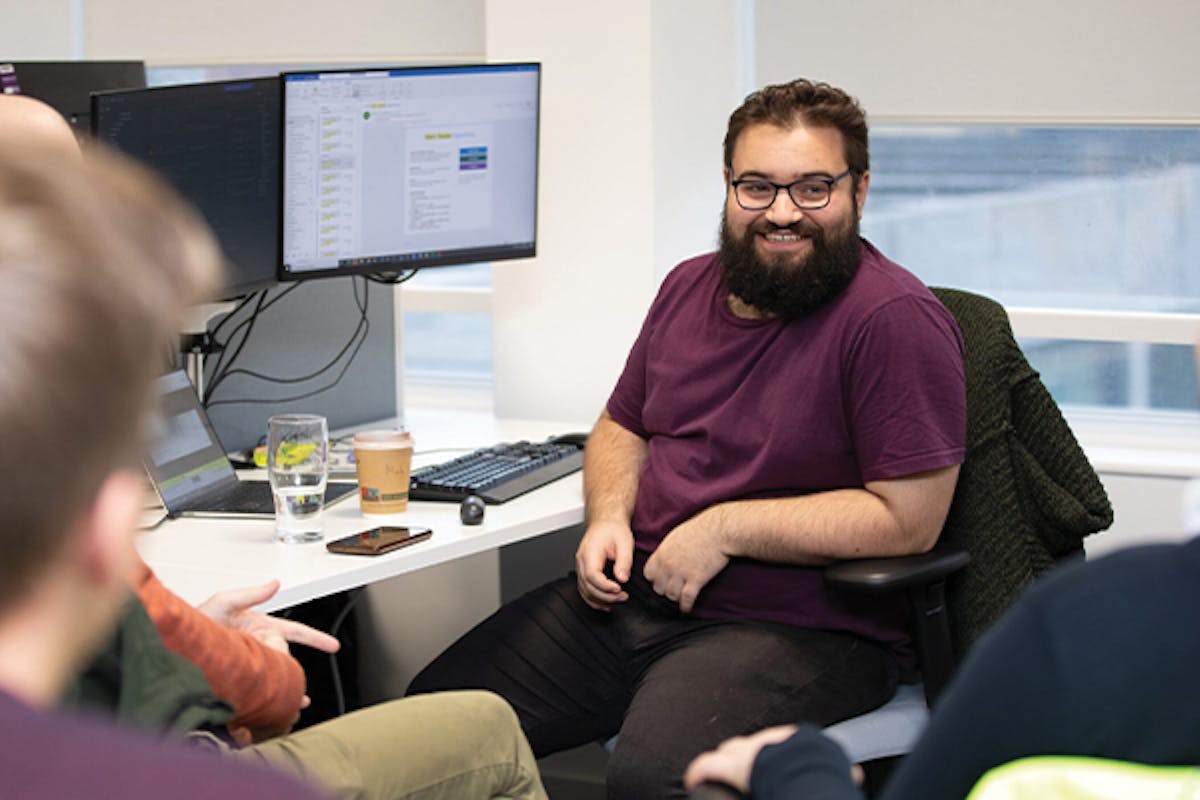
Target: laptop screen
(187,460)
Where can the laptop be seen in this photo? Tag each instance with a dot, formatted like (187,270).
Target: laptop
(190,471)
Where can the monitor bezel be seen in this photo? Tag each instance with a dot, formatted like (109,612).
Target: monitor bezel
(70,71)
(450,259)
(231,290)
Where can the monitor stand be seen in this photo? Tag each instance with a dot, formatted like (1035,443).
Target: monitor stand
(195,343)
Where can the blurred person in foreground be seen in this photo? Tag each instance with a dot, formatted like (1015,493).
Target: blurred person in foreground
(98,262)
(221,674)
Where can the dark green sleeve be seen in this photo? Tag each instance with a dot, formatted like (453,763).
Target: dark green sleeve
(138,680)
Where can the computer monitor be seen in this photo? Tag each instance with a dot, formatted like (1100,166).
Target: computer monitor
(218,145)
(386,170)
(66,85)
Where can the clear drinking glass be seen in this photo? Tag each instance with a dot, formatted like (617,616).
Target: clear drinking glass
(297,465)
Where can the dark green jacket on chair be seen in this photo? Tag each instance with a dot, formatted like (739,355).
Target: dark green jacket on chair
(1026,494)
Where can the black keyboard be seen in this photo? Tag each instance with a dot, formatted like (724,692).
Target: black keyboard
(497,474)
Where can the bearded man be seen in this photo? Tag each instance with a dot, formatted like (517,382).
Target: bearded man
(792,399)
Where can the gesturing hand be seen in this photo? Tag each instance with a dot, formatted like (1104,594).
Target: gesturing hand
(604,542)
(685,561)
(231,608)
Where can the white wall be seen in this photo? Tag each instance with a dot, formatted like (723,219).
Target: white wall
(42,30)
(1148,509)
(235,31)
(283,31)
(634,101)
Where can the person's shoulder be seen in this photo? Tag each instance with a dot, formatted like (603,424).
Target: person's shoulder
(54,755)
(1153,578)
(883,280)
(884,293)
(689,280)
(693,269)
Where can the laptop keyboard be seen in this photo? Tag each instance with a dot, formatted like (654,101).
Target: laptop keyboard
(254,497)
(245,498)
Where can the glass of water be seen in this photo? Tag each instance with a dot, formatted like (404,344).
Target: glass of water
(297,465)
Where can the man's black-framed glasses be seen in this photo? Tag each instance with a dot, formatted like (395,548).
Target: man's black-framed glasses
(809,194)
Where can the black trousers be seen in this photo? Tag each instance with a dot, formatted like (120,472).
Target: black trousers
(671,686)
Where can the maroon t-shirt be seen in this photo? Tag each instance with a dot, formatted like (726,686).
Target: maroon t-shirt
(868,387)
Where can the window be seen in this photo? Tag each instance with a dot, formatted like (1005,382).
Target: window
(447,332)
(1094,225)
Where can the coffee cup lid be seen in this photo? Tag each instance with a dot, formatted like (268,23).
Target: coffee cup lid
(382,440)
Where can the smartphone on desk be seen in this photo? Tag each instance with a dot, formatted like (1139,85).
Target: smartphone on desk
(379,540)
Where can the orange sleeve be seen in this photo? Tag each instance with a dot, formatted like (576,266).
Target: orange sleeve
(264,685)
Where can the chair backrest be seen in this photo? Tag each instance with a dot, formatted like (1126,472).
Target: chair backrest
(1026,494)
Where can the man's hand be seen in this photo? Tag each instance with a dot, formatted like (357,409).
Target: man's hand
(231,608)
(733,760)
(686,560)
(604,542)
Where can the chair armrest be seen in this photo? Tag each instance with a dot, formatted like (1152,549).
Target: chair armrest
(923,578)
(900,572)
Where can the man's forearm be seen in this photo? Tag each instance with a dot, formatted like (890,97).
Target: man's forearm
(612,463)
(888,518)
(815,529)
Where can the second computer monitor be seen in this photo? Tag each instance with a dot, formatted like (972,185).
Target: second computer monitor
(386,170)
(218,145)
(67,85)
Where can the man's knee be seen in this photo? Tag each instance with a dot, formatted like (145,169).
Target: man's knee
(636,772)
(486,710)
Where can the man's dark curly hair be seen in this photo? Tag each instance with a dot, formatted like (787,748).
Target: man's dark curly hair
(804,102)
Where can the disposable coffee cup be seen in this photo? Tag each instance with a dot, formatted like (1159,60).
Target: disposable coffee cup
(383,460)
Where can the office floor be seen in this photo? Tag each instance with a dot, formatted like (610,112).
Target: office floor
(575,774)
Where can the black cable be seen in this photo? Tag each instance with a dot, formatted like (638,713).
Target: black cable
(247,324)
(293,398)
(392,278)
(364,326)
(214,336)
(242,303)
(363,322)
(222,367)
(336,674)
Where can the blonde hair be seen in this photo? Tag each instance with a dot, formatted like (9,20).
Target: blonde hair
(98,262)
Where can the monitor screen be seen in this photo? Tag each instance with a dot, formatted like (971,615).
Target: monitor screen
(218,145)
(386,170)
(66,85)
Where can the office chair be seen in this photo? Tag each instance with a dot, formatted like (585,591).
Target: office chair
(1026,497)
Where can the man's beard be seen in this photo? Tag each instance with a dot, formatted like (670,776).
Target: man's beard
(783,287)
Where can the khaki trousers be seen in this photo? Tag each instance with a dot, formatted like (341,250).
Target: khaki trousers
(459,745)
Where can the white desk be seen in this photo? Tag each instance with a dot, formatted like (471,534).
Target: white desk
(196,557)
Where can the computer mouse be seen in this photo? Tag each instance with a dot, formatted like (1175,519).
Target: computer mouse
(471,510)
(578,439)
